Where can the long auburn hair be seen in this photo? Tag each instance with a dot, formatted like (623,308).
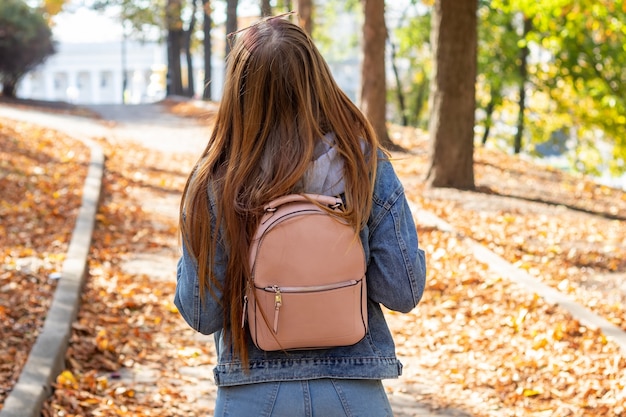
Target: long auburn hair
(279,99)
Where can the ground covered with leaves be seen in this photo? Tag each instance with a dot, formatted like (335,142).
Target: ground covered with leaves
(493,347)
(130,347)
(477,341)
(41,177)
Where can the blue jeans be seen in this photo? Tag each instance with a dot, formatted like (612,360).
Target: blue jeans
(312,398)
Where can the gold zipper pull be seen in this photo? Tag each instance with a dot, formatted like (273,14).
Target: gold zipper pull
(278,302)
(245,311)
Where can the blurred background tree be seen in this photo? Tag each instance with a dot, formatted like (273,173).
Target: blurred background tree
(550,78)
(453,38)
(25,42)
(585,76)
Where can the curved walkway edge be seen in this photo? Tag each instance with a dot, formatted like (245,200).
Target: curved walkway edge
(47,356)
(500,265)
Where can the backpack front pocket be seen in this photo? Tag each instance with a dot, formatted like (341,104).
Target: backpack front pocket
(320,316)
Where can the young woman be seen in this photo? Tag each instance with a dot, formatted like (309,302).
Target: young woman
(284,126)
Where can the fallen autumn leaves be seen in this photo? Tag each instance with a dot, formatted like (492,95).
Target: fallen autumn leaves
(127,321)
(477,341)
(41,182)
(500,350)
(565,230)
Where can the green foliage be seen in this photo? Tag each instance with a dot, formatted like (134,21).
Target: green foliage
(412,37)
(327,17)
(497,57)
(25,42)
(586,75)
(576,83)
(141,16)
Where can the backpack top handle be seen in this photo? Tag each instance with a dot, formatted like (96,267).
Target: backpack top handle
(327,200)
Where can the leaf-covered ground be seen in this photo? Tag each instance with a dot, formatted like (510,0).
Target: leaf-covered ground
(129,344)
(476,342)
(565,230)
(41,181)
(492,346)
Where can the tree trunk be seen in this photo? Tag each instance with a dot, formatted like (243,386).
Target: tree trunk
(305,15)
(523,72)
(174,78)
(489,118)
(399,92)
(420,100)
(9,88)
(452,95)
(174,45)
(373,76)
(190,91)
(231,22)
(206,43)
(266,8)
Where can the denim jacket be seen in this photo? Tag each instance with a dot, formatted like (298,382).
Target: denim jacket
(396,271)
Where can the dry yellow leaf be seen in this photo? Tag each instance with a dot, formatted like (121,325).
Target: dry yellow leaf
(67,379)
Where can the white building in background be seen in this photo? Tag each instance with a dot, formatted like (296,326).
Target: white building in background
(93,73)
(92,58)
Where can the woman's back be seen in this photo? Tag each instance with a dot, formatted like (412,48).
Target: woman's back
(284,126)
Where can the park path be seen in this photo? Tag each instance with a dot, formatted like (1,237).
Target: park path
(151,126)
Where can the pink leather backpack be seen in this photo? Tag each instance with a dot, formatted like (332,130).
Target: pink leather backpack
(307,288)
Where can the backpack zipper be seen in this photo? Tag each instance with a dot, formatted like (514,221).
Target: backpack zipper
(278,302)
(312,288)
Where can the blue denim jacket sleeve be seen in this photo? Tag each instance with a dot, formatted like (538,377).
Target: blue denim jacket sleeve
(206,316)
(396,271)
